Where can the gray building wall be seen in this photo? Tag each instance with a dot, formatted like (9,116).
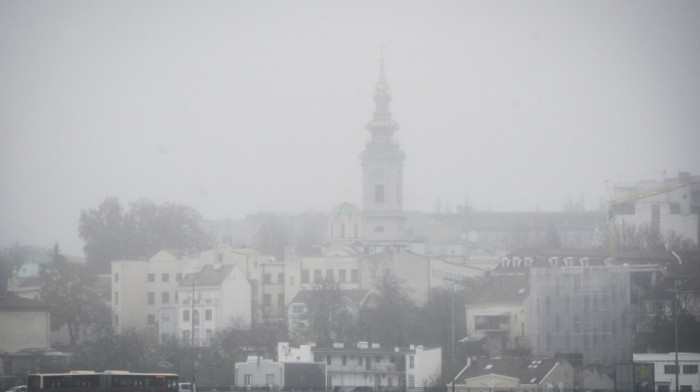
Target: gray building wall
(583,310)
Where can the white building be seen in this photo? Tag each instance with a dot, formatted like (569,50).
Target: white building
(664,370)
(671,206)
(500,313)
(370,365)
(215,298)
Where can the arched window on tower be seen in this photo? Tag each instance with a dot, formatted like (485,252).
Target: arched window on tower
(379,193)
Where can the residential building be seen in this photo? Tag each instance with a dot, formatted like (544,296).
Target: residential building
(369,365)
(499,313)
(140,288)
(215,298)
(258,372)
(515,374)
(25,326)
(668,208)
(665,370)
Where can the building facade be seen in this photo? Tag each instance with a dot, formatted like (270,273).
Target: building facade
(665,370)
(582,310)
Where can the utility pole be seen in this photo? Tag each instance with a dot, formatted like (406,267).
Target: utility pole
(453,337)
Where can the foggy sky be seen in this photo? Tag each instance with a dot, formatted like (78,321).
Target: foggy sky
(236,107)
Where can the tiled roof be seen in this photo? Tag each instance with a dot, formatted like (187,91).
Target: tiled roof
(501,289)
(209,275)
(13,302)
(527,370)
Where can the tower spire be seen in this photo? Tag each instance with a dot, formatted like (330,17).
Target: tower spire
(382,123)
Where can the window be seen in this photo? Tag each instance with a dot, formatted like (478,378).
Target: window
(411,381)
(354,276)
(342,278)
(675,208)
(116,277)
(116,298)
(329,275)
(267,301)
(280,278)
(186,315)
(151,319)
(178,277)
(151,298)
(186,335)
(690,369)
(379,193)
(165,297)
(208,314)
(686,388)
(328,359)
(670,369)
(317,276)
(247,379)
(304,276)
(208,334)
(270,379)
(165,277)
(664,387)
(195,317)
(411,362)
(165,318)
(297,308)
(345,360)
(151,277)
(280,299)
(267,278)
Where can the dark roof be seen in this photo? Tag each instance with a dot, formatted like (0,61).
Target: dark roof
(527,370)
(501,289)
(355,296)
(12,301)
(209,275)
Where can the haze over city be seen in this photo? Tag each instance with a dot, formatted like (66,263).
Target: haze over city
(238,107)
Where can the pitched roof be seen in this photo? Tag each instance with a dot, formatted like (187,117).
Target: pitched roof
(501,289)
(526,370)
(356,296)
(13,302)
(209,275)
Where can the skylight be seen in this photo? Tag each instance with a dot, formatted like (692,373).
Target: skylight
(489,366)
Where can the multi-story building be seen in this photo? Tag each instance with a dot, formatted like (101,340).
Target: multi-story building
(665,370)
(370,365)
(515,374)
(499,312)
(667,208)
(581,309)
(141,288)
(215,298)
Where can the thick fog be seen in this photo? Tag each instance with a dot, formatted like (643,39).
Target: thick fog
(236,107)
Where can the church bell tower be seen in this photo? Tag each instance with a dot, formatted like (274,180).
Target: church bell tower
(382,167)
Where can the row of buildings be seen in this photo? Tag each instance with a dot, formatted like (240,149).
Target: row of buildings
(580,303)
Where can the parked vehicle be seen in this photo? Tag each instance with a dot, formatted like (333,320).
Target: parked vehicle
(186,387)
(18,388)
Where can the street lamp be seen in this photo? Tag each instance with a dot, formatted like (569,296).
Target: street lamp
(453,336)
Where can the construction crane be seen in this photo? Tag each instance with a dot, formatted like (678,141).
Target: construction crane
(614,202)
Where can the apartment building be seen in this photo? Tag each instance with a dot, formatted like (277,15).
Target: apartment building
(370,365)
(665,370)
